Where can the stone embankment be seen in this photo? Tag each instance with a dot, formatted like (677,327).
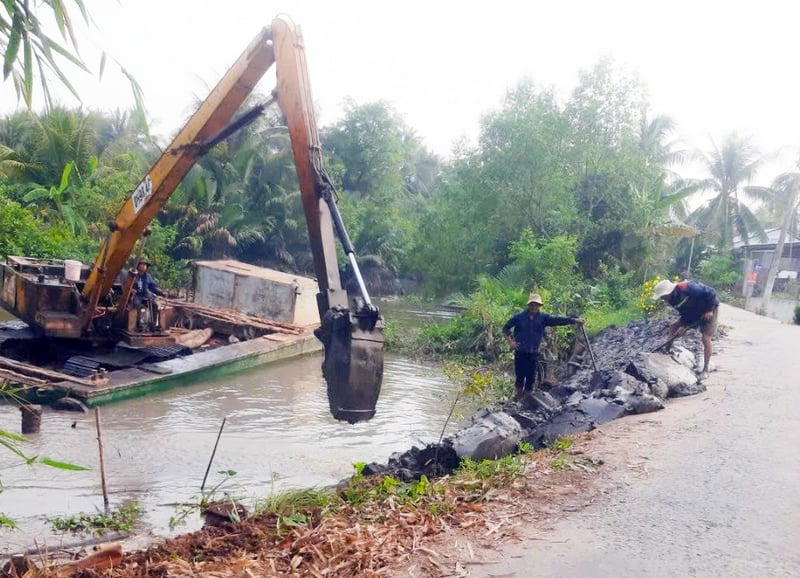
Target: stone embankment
(631,377)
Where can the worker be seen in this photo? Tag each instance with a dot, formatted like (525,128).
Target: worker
(528,329)
(145,286)
(145,289)
(697,306)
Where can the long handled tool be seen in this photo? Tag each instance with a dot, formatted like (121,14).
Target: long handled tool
(589,347)
(678,334)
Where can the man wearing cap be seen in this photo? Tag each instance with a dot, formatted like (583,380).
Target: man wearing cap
(145,286)
(528,330)
(697,306)
(144,291)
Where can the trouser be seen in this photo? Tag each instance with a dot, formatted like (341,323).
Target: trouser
(525,369)
(710,327)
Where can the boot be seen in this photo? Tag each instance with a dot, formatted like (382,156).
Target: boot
(519,394)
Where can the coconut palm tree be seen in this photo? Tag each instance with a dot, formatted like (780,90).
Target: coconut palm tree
(783,196)
(731,167)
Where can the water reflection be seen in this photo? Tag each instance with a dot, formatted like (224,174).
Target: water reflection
(278,434)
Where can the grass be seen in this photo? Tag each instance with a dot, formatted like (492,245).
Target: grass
(122,520)
(372,494)
(599,319)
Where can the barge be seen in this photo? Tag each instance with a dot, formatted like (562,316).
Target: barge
(236,317)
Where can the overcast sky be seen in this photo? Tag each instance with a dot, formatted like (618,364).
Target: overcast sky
(714,66)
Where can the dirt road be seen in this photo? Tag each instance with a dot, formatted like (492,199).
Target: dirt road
(710,486)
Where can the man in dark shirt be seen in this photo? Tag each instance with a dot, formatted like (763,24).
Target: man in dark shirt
(528,330)
(144,285)
(697,306)
(144,293)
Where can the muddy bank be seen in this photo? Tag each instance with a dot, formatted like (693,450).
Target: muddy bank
(631,378)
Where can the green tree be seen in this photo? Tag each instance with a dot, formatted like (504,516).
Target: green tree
(371,143)
(731,167)
(620,158)
(523,158)
(21,233)
(381,169)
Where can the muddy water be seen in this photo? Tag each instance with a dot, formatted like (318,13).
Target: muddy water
(278,434)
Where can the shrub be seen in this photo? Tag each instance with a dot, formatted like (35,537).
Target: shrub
(720,272)
(797,314)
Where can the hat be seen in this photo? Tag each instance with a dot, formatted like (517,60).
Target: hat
(535,298)
(145,261)
(662,289)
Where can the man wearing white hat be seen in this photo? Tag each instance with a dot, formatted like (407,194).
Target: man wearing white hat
(697,305)
(528,330)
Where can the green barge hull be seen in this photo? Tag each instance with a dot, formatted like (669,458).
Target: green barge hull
(200,366)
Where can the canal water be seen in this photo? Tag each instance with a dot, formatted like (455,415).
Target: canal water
(278,434)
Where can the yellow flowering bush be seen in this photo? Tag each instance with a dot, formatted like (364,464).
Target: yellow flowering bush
(645,302)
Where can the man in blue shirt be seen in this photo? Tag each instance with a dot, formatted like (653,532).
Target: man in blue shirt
(144,293)
(145,286)
(528,330)
(697,306)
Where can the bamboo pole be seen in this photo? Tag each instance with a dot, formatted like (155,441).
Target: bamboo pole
(216,443)
(102,462)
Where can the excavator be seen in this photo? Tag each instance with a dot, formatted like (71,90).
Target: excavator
(95,306)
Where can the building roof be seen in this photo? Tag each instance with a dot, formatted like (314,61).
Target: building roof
(247,270)
(772,239)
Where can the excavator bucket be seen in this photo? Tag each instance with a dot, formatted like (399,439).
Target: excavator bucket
(353,363)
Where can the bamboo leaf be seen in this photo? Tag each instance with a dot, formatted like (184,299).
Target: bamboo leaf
(27,67)
(48,45)
(12,48)
(59,12)
(140,111)
(102,65)
(63,465)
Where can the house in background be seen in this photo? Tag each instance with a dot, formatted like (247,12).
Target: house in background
(757,256)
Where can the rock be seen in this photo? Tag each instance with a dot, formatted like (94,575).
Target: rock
(638,401)
(659,389)
(654,367)
(434,460)
(683,356)
(682,390)
(643,403)
(540,401)
(600,411)
(223,512)
(612,379)
(489,436)
(569,421)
